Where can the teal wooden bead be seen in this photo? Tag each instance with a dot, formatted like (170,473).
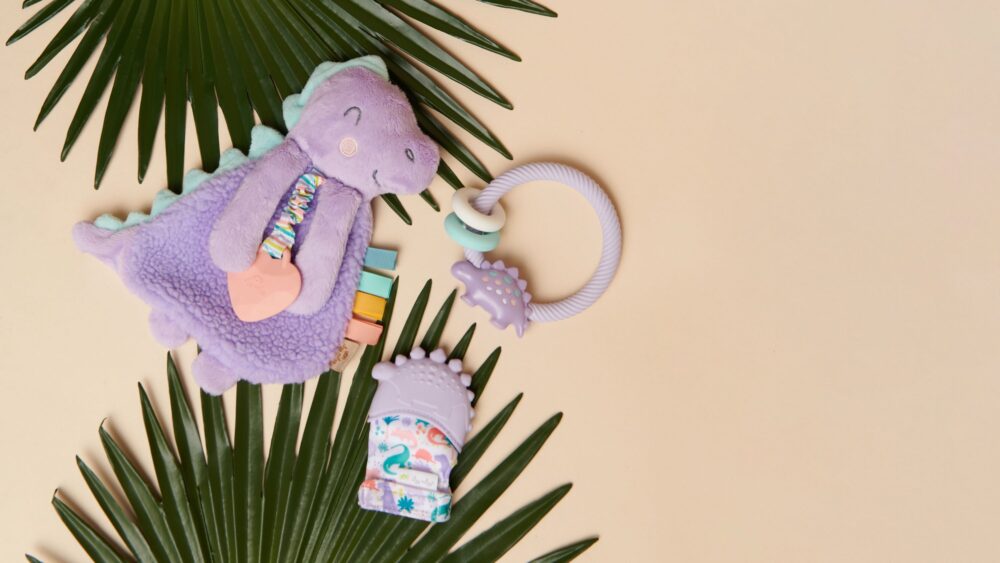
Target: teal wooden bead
(381,258)
(481,242)
(375,284)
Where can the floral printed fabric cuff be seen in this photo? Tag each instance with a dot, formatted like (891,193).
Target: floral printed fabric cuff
(404,500)
(409,466)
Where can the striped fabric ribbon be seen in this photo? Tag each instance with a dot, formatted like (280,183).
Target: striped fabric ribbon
(282,236)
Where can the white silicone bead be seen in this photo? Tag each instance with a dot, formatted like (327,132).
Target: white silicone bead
(461,205)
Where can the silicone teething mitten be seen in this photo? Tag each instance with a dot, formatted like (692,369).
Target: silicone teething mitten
(419,418)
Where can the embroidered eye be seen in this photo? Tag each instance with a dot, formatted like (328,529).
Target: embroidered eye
(409,154)
(354,108)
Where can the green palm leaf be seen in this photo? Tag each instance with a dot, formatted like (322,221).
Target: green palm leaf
(280,464)
(140,495)
(442,20)
(175,102)
(523,5)
(383,23)
(201,82)
(103,71)
(567,553)
(463,343)
(96,29)
(467,511)
(122,93)
(97,546)
(243,56)
(73,27)
(309,466)
(249,468)
(127,529)
(494,542)
(194,469)
(40,17)
(168,475)
(151,103)
(223,501)
(221,489)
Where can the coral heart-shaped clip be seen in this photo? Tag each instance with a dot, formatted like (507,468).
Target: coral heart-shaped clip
(265,289)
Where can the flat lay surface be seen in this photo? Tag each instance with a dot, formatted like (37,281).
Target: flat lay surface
(796,362)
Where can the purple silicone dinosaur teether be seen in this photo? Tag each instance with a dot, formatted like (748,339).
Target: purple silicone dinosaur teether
(418,419)
(497,289)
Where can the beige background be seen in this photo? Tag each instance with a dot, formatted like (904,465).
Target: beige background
(798,361)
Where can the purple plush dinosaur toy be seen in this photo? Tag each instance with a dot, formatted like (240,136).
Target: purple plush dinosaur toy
(350,126)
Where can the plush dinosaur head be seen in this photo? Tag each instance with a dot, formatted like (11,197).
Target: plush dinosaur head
(359,128)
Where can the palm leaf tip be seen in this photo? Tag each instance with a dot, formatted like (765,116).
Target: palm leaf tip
(463,344)
(429,198)
(524,6)
(432,337)
(126,529)
(566,553)
(40,17)
(442,20)
(92,541)
(392,200)
(492,544)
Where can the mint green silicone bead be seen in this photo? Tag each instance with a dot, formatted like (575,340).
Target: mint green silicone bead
(484,242)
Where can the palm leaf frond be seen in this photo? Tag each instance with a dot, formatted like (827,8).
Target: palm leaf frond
(127,529)
(225,500)
(140,496)
(171,484)
(93,542)
(497,540)
(567,553)
(41,16)
(243,56)
(523,5)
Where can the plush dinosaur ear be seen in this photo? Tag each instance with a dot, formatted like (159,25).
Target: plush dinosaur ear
(293,105)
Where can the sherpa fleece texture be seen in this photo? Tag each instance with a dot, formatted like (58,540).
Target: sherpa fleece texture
(177,260)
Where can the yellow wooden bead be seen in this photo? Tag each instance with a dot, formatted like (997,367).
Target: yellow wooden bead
(369,306)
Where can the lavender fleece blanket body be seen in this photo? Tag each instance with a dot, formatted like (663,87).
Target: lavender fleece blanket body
(177,261)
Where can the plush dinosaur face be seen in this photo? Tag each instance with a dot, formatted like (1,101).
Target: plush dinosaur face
(359,128)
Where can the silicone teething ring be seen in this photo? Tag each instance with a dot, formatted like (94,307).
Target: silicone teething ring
(461,205)
(480,242)
(611,248)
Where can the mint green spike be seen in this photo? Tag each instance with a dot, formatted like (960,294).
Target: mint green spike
(108,222)
(263,139)
(231,158)
(134,218)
